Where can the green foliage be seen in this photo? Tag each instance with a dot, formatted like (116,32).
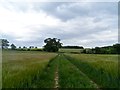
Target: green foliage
(5,43)
(31,48)
(52,45)
(73,47)
(115,49)
(13,47)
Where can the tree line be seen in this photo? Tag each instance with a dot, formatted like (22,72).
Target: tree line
(5,44)
(114,49)
(73,47)
(53,45)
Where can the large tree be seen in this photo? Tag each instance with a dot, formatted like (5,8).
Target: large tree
(13,47)
(5,43)
(52,45)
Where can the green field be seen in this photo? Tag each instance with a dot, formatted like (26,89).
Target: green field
(103,69)
(35,69)
(22,68)
(70,50)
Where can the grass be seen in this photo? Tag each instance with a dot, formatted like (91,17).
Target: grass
(35,69)
(70,50)
(46,79)
(70,76)
(103,69)
(0,74)
(22,68)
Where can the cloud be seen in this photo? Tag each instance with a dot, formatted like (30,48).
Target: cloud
(88,24)
(66,11)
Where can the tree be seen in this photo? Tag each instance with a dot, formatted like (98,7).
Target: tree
(24,47)
(117,48)
(13,47)
(52,45)
(97,50)
(4,43)
(30,47)
(84,51)
(73,47)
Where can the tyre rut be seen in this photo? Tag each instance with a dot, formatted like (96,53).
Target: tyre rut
(91,81)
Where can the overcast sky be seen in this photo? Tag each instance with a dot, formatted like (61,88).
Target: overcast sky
(87,24)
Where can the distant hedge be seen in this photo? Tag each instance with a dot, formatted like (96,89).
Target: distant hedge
(73,47)
(115,49)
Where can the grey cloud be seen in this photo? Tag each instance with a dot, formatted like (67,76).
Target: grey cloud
(75,28)
(63,11)
(67,11)
(16,6)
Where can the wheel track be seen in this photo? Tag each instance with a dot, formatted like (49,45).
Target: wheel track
(97,86)
(56,78)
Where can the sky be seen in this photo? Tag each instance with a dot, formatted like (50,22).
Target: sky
(87,24)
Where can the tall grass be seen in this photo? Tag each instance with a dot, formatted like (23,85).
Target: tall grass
(71,77)
(46,79)
(21,69)
(32,69)
(103,69)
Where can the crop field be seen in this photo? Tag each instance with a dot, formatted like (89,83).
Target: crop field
(70,50)
(103,69)
(22,68)
(35,69)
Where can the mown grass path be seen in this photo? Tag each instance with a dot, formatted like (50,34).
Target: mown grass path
(61,73)
(56,78)
(70,76)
